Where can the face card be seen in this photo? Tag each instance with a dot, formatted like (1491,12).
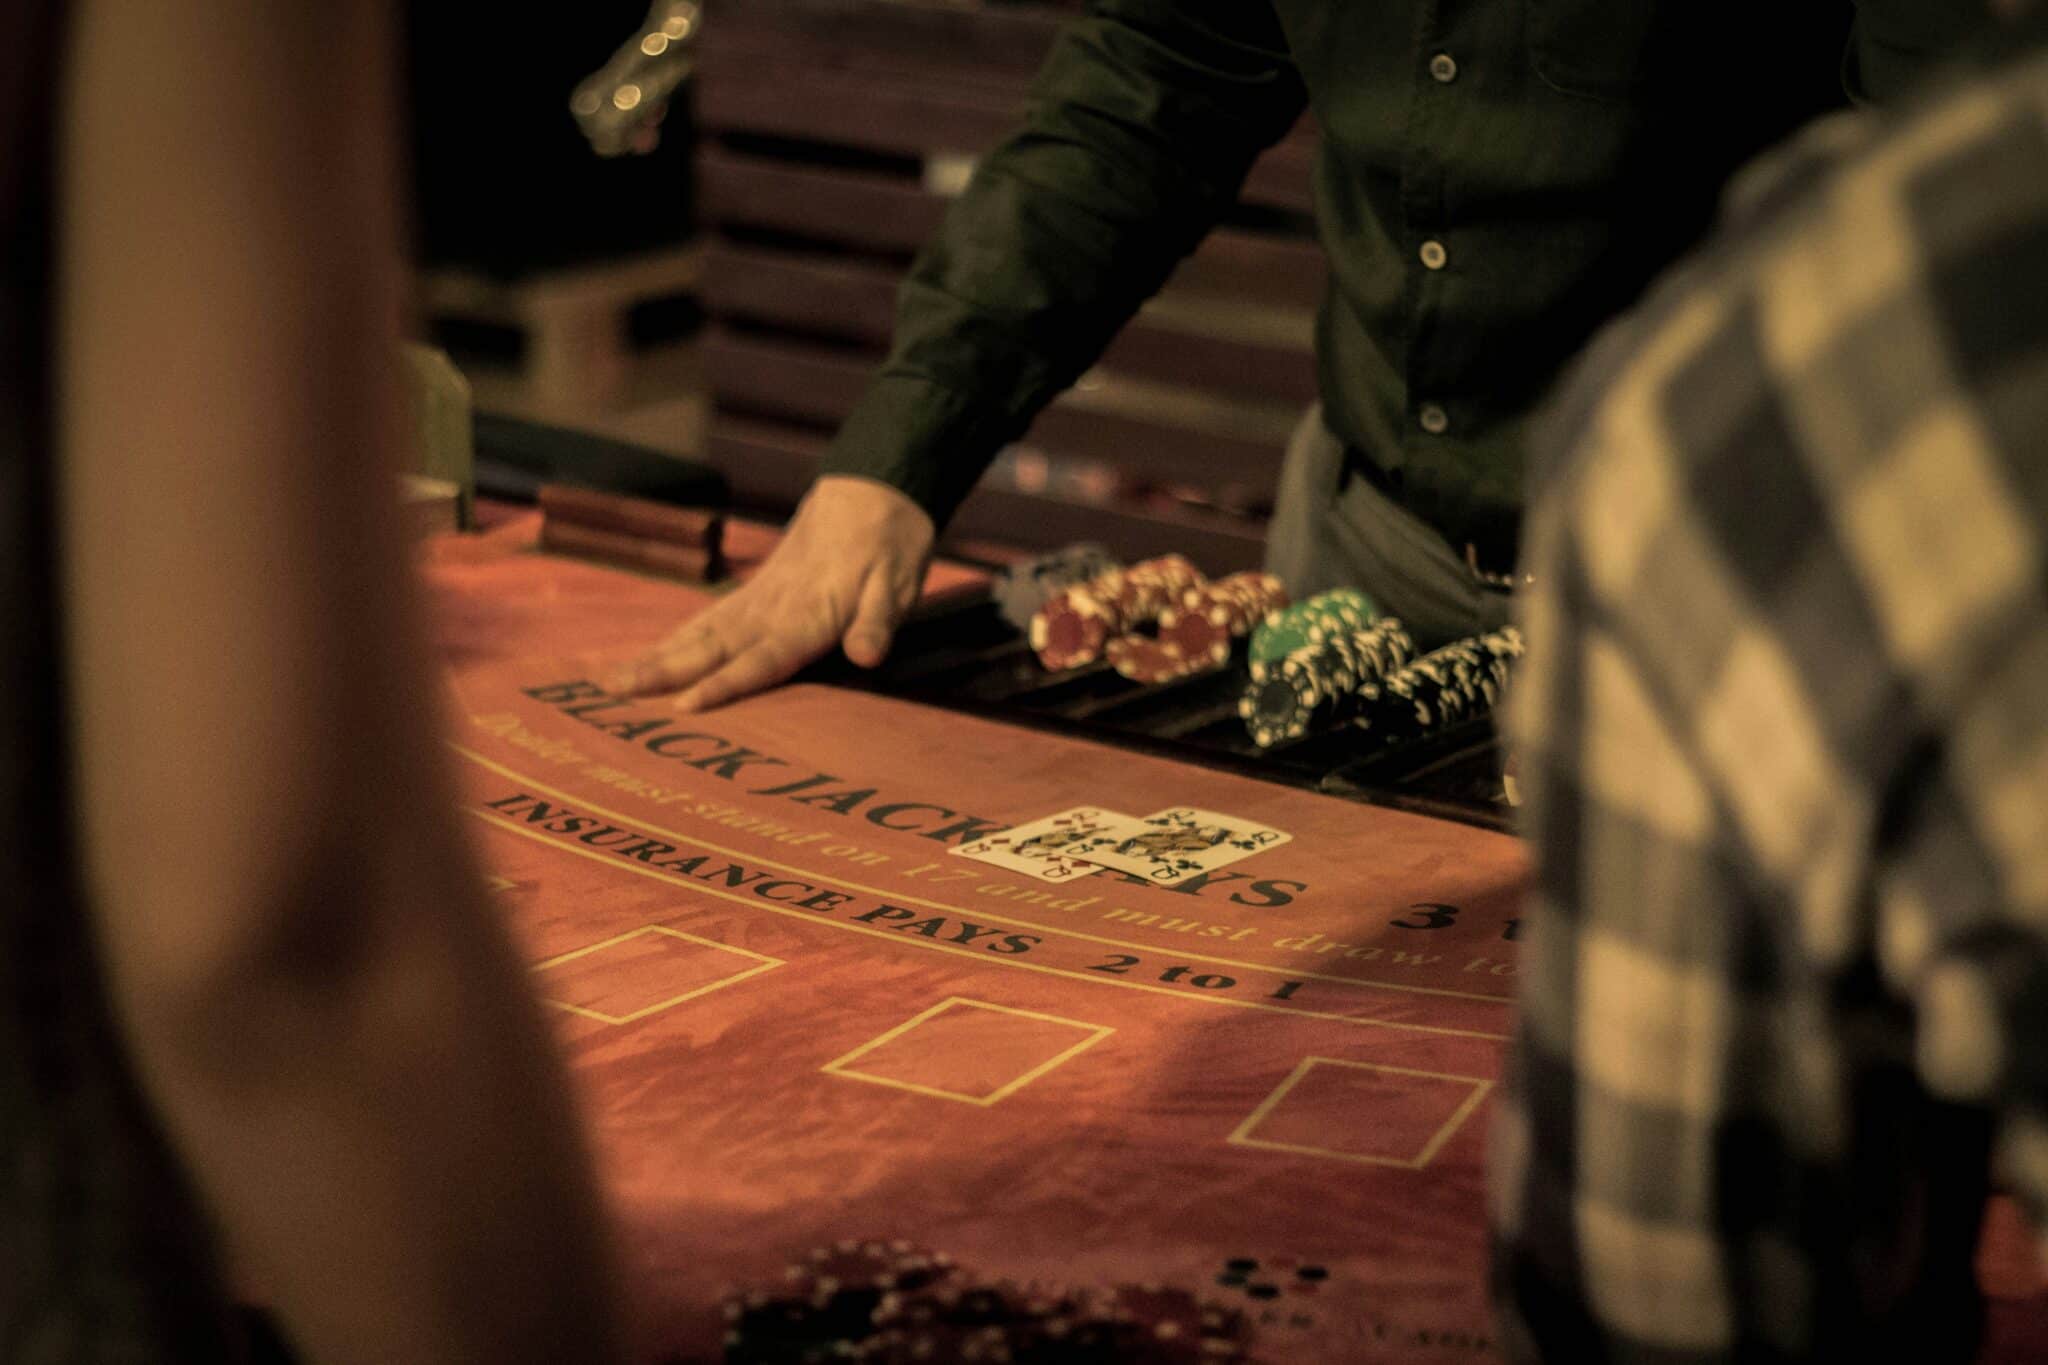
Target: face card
(1042,848)
(1172,845)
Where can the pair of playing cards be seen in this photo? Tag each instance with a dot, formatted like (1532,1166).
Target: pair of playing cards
(1164,848)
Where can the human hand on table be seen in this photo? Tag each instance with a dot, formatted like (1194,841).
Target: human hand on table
(848,568)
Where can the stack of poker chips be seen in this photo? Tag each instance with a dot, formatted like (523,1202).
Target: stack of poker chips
(1322,684)
(832,1295)
(633,533)
(1020,590)
(993,1320)
(1461,681)
(885,1303)
(1198,631)
(1340,611)
(1074,625)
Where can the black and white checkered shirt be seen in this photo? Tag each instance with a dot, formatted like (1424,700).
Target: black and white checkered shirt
(1784,732)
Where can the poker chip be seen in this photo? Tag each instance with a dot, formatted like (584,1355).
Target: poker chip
(1149,661)
(1459,682)
(1206,619)
(978,1319)
(1340,611)
(1150,1324)
(1323,684)
(828,1299)
(896,1304)
(937,1344)
(1075,624)
(1022,590)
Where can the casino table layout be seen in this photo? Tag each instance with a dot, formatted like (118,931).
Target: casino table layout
(812,1042)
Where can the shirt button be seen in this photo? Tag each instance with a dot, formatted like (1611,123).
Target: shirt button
(1433,254)
(1434,419)
(1444,68)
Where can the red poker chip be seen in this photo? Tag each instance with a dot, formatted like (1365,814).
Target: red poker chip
(1206,619)
(1150,587)
(1151,661)
(1074,627)
(1070,631)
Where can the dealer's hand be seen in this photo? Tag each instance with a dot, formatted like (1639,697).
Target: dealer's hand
(847,570)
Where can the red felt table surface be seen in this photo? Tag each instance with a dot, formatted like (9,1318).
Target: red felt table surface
(794,1016)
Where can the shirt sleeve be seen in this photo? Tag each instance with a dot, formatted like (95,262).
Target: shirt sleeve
(1140,129)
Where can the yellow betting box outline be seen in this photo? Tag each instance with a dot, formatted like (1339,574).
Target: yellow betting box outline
(1243,1136)
(762,963)
(838,1066)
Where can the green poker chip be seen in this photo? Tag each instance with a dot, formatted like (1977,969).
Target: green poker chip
(1341,611)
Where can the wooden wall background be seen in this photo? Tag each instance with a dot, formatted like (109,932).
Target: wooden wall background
(830,133)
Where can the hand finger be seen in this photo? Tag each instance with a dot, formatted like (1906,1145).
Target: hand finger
(764,665)
(678,661)
(866,641)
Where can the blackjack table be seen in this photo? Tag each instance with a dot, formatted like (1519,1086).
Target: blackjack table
(857,1095)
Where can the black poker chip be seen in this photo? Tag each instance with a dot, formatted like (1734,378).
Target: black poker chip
(1322,684)
(1459,682)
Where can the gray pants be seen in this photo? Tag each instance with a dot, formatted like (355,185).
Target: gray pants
(1332,532)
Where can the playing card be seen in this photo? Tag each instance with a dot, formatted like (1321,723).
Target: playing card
(1040,848)
(1175,844)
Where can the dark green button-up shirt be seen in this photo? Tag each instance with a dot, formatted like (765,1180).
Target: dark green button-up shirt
(1497,178)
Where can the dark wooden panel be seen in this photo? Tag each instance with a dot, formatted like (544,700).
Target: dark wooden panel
(1145,448)
(781,378)
(770,464)
(853,110)
(880,112)
(990,42)
(827,295)
(1220,364)
(767,464)
(863,209)
(876,212)
(1217,545)
(1152,439)
(856,301)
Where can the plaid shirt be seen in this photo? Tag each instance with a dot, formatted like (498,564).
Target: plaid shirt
(1784,731)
